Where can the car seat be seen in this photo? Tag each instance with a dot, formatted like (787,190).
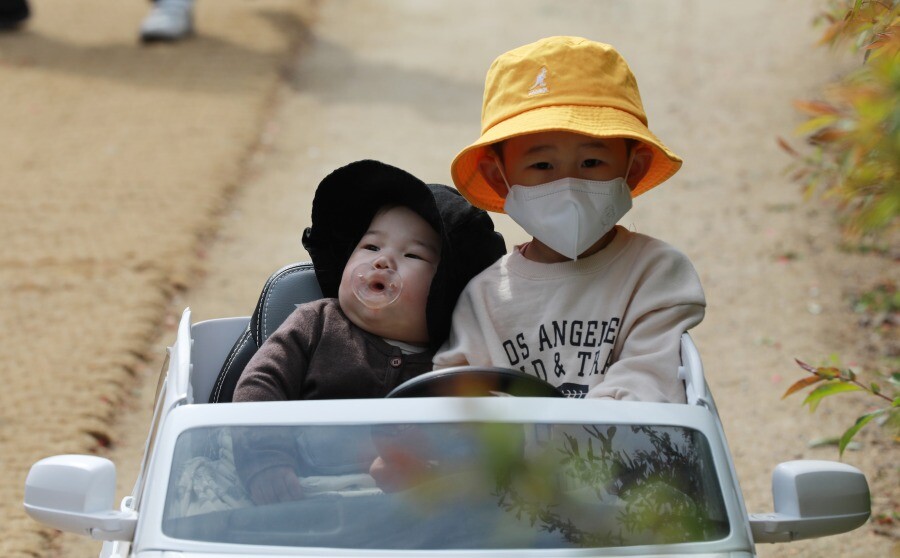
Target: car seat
(287,288)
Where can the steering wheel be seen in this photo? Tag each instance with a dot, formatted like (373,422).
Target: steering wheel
(475,381)
(422,447)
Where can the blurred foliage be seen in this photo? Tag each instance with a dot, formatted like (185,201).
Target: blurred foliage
(664,493)
(854,130)
(879,307)
(854,134)
(831,380)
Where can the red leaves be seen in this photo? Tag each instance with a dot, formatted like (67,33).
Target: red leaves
(783,144)
(800,384)
(815,108)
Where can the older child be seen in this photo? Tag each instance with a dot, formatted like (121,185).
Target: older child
(587,305)
(391,255)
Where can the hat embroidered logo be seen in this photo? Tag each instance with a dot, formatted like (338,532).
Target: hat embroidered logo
(540,83)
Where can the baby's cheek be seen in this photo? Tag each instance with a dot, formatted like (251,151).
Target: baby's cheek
(417,293)
(346,300)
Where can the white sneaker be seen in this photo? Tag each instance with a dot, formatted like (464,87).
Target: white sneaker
(169,20)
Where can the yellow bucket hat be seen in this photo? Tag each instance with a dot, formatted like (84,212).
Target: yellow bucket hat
(559,84)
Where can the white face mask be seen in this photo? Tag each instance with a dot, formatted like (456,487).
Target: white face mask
(570,214)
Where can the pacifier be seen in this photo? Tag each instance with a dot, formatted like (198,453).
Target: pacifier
(375,287)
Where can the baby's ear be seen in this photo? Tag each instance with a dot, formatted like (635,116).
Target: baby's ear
(488,167)
(640,164)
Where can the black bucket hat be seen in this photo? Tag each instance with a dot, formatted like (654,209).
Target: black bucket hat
(345,203)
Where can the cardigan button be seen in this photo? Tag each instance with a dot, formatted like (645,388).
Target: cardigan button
(396,361)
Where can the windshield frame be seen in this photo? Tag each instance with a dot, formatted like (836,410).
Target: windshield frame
(149,533)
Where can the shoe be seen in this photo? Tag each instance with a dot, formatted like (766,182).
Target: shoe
(169,20)
(13,13)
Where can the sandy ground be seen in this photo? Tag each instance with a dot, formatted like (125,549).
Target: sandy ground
(139,181)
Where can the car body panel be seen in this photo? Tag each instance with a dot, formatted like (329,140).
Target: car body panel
(200,350)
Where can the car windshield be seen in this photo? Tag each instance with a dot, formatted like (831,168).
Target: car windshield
(448,486)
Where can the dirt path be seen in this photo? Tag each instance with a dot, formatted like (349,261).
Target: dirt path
(116,160)
(377,80)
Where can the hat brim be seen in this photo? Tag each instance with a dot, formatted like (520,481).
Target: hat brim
(598,122)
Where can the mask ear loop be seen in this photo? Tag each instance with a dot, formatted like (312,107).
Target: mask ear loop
(628,168)
(502,175)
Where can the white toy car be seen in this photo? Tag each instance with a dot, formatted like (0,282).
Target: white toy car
(503,476)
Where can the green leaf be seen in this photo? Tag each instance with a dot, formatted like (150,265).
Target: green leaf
(830,388)
(832,441)
(815,124)
(826,441)
(851,432)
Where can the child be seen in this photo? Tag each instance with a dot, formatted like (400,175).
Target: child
(391,256)
(587,305)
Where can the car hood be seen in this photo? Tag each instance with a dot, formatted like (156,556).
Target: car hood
(498,554)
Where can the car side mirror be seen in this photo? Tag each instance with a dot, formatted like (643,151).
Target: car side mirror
(75,493)
(813,499)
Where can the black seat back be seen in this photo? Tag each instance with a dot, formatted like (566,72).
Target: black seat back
(288,287)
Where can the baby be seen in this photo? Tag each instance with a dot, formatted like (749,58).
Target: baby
(391,255)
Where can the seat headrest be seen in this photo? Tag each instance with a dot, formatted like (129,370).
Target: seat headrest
(287,288)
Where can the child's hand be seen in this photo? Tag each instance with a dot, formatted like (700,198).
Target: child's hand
(276,484)
(399,472)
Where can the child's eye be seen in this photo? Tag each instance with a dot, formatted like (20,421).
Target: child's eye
(370,247)
(591,163)
(542,166)
(414,257)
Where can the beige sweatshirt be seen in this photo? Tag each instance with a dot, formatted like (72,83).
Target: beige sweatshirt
(608,325)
